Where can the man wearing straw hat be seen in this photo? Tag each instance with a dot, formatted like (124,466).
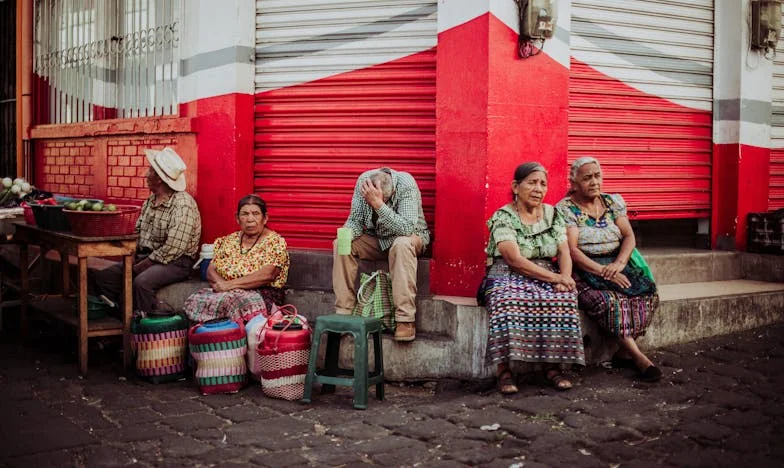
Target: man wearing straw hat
(169,229)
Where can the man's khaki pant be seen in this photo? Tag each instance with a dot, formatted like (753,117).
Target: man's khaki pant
(402,256)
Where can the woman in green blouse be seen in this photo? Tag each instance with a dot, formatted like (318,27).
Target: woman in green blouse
(531,300)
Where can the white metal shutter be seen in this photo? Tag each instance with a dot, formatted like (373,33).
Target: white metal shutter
(640,101)
(776,191)
(342,86)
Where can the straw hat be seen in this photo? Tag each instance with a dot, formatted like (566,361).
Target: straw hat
(169,167)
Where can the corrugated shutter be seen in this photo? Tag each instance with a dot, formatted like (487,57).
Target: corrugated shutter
(776,192)
(640,100)
(341,87)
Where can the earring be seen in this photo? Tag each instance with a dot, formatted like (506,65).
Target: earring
(515,198)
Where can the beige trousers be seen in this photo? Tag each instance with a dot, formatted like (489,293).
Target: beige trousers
(402,256)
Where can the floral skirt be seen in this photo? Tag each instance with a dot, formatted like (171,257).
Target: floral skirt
(623,313)
(237,304)
(529,320)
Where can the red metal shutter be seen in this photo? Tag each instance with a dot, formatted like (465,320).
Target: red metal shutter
(640,100)
(776,190)
(340,88)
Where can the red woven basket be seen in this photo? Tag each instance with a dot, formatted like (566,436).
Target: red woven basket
(104,223)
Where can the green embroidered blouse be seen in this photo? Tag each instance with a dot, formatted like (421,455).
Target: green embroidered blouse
(539,240)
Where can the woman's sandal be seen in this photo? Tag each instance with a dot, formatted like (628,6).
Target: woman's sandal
(558,380)
(506,384)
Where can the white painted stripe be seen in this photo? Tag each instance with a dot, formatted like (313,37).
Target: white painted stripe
(662,48)
(214,38)
(219,81)
(453,13)
(298,43)
(727,132)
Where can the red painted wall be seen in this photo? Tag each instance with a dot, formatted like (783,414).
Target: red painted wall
(224,137)
(741,176)
(494,112)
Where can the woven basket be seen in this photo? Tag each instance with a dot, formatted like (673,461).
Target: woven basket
(104,223)
(283,354)
(218,348)
(160,346)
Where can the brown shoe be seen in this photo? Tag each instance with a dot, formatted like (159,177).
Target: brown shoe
(405,331)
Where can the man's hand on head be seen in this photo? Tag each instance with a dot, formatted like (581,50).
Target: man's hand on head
(372,194)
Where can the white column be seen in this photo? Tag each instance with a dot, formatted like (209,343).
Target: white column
(217,48)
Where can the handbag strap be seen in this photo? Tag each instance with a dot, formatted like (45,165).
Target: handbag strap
(364,283)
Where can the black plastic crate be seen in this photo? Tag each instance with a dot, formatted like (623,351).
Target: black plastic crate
(766,232)
(51,217)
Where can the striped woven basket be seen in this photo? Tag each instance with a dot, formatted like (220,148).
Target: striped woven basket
(218,348)
(160,346)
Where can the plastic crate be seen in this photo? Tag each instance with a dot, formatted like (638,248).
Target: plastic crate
(104,223)
(51,217)
(766,232)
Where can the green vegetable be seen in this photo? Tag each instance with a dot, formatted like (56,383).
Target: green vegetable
(97,207)
(110,207)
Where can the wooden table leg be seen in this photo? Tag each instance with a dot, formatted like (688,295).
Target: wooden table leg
(24,288)
(83,332)
(65,268)
(127,309)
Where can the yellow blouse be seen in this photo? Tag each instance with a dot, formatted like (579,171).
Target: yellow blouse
(231,263)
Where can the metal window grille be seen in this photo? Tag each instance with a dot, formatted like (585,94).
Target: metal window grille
(103,59)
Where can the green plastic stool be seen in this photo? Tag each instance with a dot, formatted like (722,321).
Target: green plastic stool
(359,377)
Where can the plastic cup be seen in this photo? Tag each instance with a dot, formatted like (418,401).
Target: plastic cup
(344,241)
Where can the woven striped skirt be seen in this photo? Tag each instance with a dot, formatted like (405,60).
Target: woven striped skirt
(238,304)
(618,313)
(529,320)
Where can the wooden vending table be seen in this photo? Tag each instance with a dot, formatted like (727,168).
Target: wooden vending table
(80,247)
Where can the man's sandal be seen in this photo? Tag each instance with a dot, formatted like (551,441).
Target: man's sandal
(558,380)
(506,383)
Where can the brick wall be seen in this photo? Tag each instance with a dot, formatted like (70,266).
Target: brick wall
(106,159)
(67,167)
(126,166)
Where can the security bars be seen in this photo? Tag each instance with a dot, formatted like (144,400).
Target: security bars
(99,59)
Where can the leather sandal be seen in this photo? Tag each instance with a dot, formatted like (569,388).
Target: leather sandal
(558,380)
(506,383)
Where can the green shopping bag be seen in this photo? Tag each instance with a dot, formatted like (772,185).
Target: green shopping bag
(374,298)
(636,260)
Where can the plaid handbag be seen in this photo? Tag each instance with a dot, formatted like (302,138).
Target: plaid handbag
(374,298)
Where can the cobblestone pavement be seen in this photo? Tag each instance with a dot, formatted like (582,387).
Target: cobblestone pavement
(720,404)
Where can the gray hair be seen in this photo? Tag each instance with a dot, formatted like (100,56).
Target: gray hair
(580,162)
(576,165)
(383,179)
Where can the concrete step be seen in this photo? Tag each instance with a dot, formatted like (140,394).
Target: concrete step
(682,265)
(691,311)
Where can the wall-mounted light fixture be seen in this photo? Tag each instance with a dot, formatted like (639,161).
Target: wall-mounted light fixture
(765,25)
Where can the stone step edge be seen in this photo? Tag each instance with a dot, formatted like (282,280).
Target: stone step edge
(717,289)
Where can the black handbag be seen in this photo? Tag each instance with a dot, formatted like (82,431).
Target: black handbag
(480,293)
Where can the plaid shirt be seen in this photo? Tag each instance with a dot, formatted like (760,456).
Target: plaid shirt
(170,230)
(401,216)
